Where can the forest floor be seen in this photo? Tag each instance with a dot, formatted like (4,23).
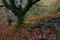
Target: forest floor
(13,36)
(8,32)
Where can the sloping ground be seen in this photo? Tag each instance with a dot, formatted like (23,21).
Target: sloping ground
(5,28)
(58,28)
(28,33)
(8,33)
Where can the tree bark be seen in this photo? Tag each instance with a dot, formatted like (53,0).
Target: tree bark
(20,19)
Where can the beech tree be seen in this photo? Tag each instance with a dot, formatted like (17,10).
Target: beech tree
(19,11)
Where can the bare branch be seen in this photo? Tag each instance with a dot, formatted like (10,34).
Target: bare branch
(11,6)
(6,4)
(12,3)
(20,6)
(30,4)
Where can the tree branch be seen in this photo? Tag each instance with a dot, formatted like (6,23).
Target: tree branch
(12,6)
(12,3)
(29,5)
(7,5)
(20,6)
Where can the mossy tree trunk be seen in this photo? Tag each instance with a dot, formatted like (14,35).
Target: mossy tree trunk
(20,19)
